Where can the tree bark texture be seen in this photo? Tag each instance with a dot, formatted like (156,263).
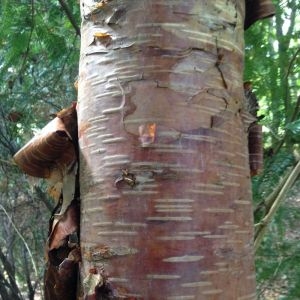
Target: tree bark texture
(165,192)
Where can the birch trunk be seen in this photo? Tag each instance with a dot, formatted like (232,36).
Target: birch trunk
(165,191)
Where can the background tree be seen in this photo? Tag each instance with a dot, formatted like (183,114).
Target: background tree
(276,83)
(39,58)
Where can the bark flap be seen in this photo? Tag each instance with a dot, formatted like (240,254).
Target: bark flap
(258,9)
(52,149)
(53,154)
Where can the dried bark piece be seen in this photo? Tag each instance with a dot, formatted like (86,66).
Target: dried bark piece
(65,226)
(67,266)
(47,152)
(62,274)
(69,118)
(91,282)
(255,145)
(52,154)
(258,9)
(96,286)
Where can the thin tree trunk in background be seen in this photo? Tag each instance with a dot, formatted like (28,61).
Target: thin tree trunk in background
(165,192)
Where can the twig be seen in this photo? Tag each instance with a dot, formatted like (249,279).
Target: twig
(261,227)
(25,56)
(23,240)
(70,16)
(10,163)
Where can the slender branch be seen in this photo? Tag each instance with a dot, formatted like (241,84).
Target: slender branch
(3,284)
(267,203)
(70,16)
(261,227)
(4,135)
(10,274)
(26,269)
(23,65)
(22,238)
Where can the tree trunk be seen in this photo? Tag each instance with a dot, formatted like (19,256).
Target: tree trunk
(165,192)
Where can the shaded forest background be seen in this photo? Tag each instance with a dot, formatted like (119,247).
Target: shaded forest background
(39,56)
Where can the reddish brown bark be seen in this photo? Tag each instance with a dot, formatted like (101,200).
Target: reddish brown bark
(255,141)
(165,191)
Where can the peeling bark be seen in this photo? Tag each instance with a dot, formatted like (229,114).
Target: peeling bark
(165,192)
(53,154)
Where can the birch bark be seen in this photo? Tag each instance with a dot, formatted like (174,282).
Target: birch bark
(165,191)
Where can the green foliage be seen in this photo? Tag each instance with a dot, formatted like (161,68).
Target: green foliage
(278,257)
(293,130)
(275,168)
(39,56)
(272,64)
